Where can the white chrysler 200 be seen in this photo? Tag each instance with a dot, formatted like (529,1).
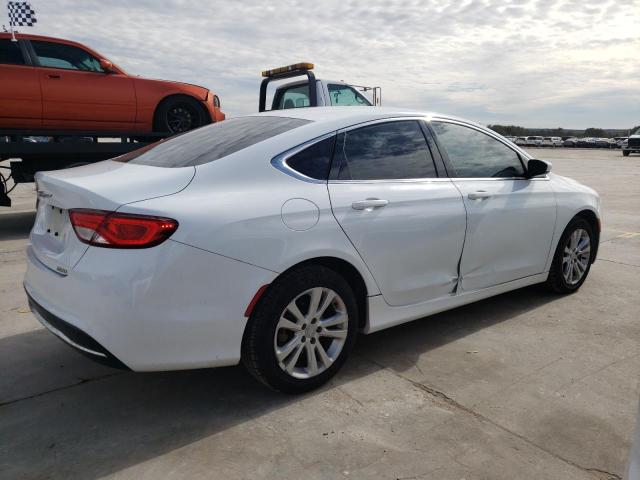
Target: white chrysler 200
(276,238)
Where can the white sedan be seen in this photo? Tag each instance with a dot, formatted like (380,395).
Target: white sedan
(275,239)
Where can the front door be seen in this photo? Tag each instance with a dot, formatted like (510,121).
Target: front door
(510,219)
(406,223)
(78,94)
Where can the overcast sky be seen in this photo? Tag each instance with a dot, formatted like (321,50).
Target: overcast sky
(536,63)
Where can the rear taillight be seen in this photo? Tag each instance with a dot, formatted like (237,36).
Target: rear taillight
(120,230)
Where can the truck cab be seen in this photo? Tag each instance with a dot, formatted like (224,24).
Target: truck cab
(298,94)
(632,145)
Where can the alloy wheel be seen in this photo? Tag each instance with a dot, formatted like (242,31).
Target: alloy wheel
(576,256)
(311,333)
(180,118)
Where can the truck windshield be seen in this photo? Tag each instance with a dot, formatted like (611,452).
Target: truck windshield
(212,142)
(637,132)
(345,96)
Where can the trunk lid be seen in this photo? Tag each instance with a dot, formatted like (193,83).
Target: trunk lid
(103,186)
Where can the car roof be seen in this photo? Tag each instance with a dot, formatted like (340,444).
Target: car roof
(340,117)
(28,36)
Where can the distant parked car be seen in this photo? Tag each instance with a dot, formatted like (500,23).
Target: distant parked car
(601,142)
(570,142)
(552,142)
(521,141)
(534,141)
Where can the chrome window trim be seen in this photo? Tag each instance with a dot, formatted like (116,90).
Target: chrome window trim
(280,160)
(397,180)
(469,179)
(382,120)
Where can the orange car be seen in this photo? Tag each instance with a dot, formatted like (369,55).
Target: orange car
(53,84)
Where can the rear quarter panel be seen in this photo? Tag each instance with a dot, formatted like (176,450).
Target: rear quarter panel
(234,207)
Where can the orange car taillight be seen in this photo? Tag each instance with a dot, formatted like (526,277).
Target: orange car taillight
(102,228)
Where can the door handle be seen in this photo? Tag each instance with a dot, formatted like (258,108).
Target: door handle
(54,76)
(369,204)
(479,195)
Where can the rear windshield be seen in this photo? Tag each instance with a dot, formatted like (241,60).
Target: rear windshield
(212,142)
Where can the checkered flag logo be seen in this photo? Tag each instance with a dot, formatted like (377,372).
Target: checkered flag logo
(21,14)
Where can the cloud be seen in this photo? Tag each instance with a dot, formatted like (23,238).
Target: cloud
(518,61)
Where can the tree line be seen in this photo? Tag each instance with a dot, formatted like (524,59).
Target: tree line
(517,131)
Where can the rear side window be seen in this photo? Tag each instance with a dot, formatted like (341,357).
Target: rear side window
(385,151)
(314,161)
(10,53)
(212,142)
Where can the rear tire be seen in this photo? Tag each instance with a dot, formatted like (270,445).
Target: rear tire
(294,346)
(625,153)
(179,114)
(573,256)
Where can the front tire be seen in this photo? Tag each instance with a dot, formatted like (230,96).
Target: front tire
(302,330)
(626,153)
(179,114)
(573,257)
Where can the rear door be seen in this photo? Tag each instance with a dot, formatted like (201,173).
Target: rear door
(20,97)
(78,94)
(510,218)
(406,223)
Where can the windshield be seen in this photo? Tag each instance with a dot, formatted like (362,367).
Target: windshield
(212,142)
(637,132)
(346,96)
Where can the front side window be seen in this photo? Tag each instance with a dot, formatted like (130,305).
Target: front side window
(295,97)
(384,151)
(474,154)
(10,53)
(58,55)
(345,96)
(212,142)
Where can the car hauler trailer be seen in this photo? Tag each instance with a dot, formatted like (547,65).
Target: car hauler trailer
(34,150)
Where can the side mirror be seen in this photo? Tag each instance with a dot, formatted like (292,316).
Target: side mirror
(537,167)
(106,65)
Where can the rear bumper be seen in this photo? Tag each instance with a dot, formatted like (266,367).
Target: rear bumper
(169,307)
(74,337)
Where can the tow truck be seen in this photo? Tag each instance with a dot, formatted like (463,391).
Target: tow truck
(33,151)
(326,92)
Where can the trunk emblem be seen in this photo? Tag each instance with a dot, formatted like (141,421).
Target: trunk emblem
(43,194)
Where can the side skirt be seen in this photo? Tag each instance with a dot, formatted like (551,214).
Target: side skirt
(382,316)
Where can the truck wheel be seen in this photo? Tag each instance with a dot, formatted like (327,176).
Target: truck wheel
(626,153)
(179,114)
